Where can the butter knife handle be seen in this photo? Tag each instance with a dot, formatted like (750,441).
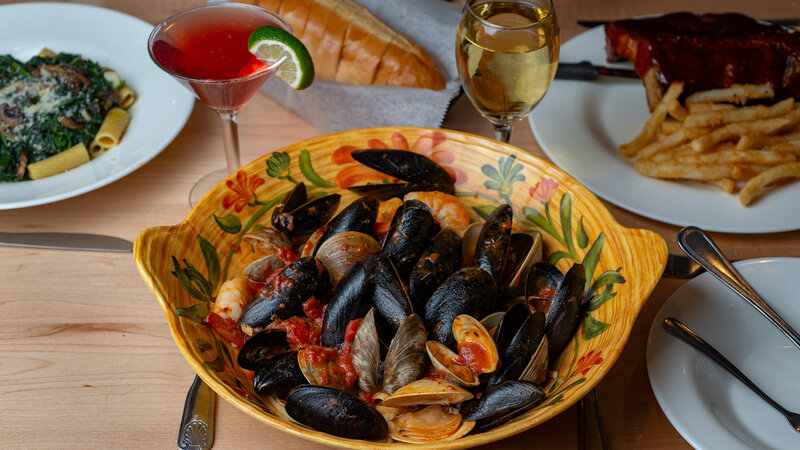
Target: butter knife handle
(583,71)
(197,423)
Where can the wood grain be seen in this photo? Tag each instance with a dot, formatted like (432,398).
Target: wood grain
(86,358)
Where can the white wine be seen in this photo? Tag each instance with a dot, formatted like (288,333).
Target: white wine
(507,53)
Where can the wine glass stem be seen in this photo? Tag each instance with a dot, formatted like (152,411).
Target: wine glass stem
(230,137)
(502,133)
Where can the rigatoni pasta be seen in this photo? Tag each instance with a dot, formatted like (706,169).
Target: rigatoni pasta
(53,103)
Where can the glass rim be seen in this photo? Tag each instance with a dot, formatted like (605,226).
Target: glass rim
(550,11)
(158,27)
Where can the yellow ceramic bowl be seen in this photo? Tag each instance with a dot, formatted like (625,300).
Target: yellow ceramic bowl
(575,227)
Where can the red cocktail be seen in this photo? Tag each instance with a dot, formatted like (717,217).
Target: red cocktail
(205,48)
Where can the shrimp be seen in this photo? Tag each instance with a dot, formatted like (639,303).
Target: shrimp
(386,211)
(446,209)
(232,298)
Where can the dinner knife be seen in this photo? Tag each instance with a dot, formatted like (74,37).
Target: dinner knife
(586,71)
(67,241)
(783,22)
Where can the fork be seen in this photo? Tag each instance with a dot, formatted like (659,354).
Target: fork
(684,333)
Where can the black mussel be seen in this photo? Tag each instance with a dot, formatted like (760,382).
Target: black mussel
(278,375)
(469,291)
(493,242)
(509,325)
(359,215)
(335,412)
(284,295)
(347,303)
(501,403)
(410,232)
(389,297)
(294,198)
(541,285)
(516,356)
(297,216)
(564,315)
(420,173)
(439,260)
(260,347)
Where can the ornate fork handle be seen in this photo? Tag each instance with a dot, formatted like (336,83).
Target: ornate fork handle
(197,423)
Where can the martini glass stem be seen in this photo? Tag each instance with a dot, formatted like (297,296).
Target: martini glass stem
(502,133)
(230,137)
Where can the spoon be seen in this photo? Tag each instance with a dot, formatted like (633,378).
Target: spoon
(682,332)
(699,246)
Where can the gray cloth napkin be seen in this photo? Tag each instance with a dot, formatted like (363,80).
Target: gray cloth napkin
(332,106)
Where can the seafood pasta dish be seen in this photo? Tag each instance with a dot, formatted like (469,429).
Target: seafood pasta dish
(399,317)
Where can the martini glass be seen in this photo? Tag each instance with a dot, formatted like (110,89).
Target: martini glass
(205,48)
(506,53)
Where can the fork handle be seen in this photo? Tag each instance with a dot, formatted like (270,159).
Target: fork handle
(699,246)
(676,328)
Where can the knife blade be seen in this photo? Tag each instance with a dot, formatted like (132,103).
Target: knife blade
(67,241)
(587,71)
(783,22)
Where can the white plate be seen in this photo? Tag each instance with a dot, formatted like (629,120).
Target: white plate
(708,406)
(112,39)
(580,126)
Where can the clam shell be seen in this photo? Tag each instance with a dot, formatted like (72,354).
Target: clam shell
(430,424)
(267,240)
(444,360)
(405,361)
(341,250)
(366,354)
(467,330)
(427,392)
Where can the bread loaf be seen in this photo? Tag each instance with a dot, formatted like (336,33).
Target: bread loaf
(350,45)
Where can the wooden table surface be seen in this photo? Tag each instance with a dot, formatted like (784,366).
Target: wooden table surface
(87,360)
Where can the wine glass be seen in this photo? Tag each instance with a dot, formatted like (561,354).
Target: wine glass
(205,48)
(507,54)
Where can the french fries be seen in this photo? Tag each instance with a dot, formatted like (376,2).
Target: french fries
(716,139)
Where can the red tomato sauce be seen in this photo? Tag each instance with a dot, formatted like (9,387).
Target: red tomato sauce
(474,355)
(313,309)
(352,329)
(300,331)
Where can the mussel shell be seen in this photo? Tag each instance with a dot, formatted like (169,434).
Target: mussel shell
(284,295)
(509,326)
(406,165)
(468,291)
(359,215)
(385,191)
(260,347)
(405,360)
(342,250)
(347,303)
(335,412)
(517,355)
(278,375)
(493,242)
(389,297)
(524,250)
(410,232)
(565,311)
(502,402)
(439,260)
(293,199)
(306,218)
(542,281)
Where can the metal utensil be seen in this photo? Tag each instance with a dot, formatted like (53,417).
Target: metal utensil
(197,422)
(684,333)
(586,71)
(591,430)
(699,246)
(67,241)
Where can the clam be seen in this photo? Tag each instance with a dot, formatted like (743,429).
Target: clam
(477,353)
(405,360)
(320,366)
(432,423)
(427,391)
(342,250)
(261,268)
